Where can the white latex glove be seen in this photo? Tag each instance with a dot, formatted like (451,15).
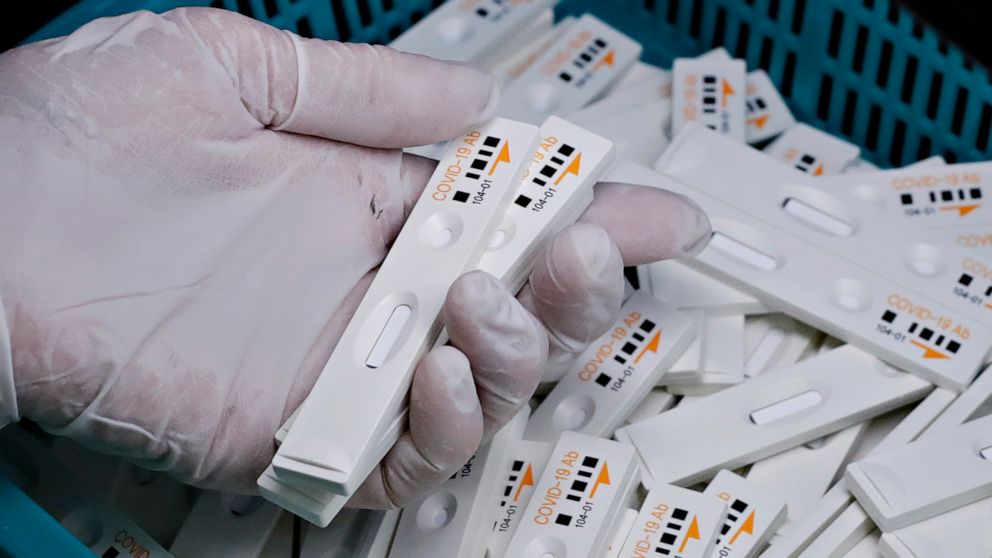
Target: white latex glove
(192,206)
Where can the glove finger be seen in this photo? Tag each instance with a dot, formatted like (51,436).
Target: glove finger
(504,342)
(445,431)
(357,93)
(648,224)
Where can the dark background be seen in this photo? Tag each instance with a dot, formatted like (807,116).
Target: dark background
(961,21)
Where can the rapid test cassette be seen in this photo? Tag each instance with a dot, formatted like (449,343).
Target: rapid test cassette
(930,476)
(888,289)
(226,525)
(813,152)
(580,65)
(455,519)
(354,532)
(763,416)
(713,362)
(638,131)
(773,340)
(474,31)
(684,287)
(925,196)
(575,506)
(350,419)
(676,522)
(526,464)
(753,515)
(710,92)
(961,533)
(643,84)
(517,63)
(83,512)
(615,372)
(766,114)
(620,536)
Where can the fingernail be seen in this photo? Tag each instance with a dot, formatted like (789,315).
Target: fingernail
(698,231)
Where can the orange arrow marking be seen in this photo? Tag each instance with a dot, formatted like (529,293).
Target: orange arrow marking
(603,478)
(503,157)
(962,209)
(528,480)
(818,171)
(988,305)
(727,92)
(692,534)
(759,121)
(573,168)
(610,58)
(928,352)
(748,528)
(652,346)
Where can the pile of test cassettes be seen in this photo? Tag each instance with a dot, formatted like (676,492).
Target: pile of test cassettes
(809,385)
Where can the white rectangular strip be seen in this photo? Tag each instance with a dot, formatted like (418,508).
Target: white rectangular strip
(82,511)
(349,420)
(586,482)
(455,519)
(930,476)
(470,31)
(813,152)
(851,386)
(892,297)
(766,112)
(961,533)
(753,515)
(226,525)
(676,522)
(526,464)
(615,372)
(710,92)
(580,65)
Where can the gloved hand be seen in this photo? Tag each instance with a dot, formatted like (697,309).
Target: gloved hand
(192,206)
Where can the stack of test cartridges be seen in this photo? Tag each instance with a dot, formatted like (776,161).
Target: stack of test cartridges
(809,385)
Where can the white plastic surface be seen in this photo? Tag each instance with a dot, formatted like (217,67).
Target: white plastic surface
(586,483)
(753,515)
(718,361)
(353,533)
(654,403)
(470,31)
(639,132)
(525,466)
(580,65)
(814,152)
(467,195)
(622,532)
(676,522)
(456,519)
(961,533)
(643,84)
(930,476)
(688,289)
(8,399)
(711,92)
(972,403)
(867,547)
(516,64)
(886,289)
(773,340)
(616,372)
(854,386)
(842,535)
(226,525)
(766,113)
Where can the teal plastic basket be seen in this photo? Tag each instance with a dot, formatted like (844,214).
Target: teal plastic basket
(865,70)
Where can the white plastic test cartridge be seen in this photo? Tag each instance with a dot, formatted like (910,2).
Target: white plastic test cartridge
(972,403)
(354,532)
(766,113)
(812,151)
(78,508)
(842,534)
(676,522)
(888,289)
(961,533)
(626,524)
(226,525)
(926,196)
(930,476)
(763,416)
(717,362)
(455,519)
(573,71)
(526,464)
(639,132)
(860,166)
(802,475)
(516,64)
(772,340)
(710,92)
(474,31)
(689,289)
(615,372)
(350,418)
(651,84)
(753,515)
(838,498)
(654,403)
(586,482)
